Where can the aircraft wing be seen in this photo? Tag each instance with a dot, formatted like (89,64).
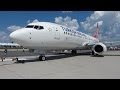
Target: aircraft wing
(113,43)
(86,45)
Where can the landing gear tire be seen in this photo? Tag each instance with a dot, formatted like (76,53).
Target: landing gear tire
(22,61)
(17,59)
(93,53)
(96,55)
(42,58)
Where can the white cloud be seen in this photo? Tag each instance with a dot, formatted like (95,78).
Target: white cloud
(13,28)
(109,24)
(59,20)
(34,21)
(4,37)
(67,21)
(28,21)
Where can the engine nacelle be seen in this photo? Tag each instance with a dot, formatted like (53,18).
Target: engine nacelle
(99,48)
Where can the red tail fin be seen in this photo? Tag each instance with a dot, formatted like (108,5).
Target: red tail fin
(96,34)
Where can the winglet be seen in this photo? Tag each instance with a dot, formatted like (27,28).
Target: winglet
(96,34)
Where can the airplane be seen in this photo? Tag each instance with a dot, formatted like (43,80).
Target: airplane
(46,36)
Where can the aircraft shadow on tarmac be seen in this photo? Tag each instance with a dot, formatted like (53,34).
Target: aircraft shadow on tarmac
(67,55)
(62,55)
(59,56)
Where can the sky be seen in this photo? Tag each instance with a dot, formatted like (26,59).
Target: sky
(84,21)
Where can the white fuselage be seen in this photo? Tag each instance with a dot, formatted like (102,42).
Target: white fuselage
(51,37)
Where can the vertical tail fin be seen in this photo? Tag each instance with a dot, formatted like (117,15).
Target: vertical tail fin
(96,34)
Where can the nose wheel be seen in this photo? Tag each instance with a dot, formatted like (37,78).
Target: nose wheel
(42,58)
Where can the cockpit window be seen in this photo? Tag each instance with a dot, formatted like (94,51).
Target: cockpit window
(29,26)
(41,27)
(36,27)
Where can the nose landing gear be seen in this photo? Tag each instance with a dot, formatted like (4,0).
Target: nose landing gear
(42,58)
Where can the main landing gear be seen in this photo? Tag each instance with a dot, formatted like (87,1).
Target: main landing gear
(96,55)
(19,61)
(93,53)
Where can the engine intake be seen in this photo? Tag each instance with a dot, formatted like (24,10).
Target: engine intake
(99,48)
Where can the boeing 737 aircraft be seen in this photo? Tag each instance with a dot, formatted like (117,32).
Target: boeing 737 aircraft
(50,36)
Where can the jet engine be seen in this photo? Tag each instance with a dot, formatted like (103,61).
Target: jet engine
(99,48)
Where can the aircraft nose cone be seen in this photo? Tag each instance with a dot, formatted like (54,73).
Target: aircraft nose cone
(12,35)
(19,36)
(15,36)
